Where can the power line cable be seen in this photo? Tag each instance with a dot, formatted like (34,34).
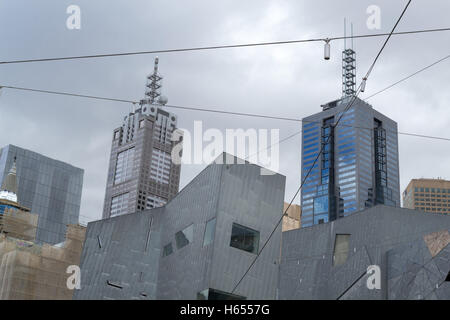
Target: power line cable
(353,99)
(224,111)
(408,77)
(256,44)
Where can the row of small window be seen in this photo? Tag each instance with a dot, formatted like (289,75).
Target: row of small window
(430,204)
(432,199)
(416,195)
(242,238)
(434,190)
(443,210)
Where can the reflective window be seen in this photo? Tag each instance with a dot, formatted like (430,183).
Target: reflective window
(321,205)
(210,230)
(343,146)
(309,162)
(346,168)
(341,249)
(349,185)
(184,237)
(309,190)
(322,218)
(160,166)
(119,204)
(309,124)
(346,162)
(310,151)
(311,145)
(347,151)
(310,140)
(310,129)
(349,209)
(244,238)
(349,191)
(310,156)
(167,250)
(346,157)
(347,132)
(124,166)
(346,174)
(309,167)
(311,134)
(347,180)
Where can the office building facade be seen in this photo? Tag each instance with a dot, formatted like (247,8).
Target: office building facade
(430,195)
(197,246)
(49,188)
(141,173)
(358,167)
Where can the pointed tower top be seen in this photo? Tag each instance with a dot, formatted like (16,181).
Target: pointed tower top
(8,190)
(348,66)
(153,87)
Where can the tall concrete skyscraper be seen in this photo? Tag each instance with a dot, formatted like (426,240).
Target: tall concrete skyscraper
(358,167)
(48,187)
(141,172)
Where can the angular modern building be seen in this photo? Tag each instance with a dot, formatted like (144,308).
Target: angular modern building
(380,253)
(48,187)
(197,246)
(358,167)
(430,195)
(141,172)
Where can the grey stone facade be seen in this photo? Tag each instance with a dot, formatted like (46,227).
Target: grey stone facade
(412,249)
(141,174)
(50,188)
(123,256)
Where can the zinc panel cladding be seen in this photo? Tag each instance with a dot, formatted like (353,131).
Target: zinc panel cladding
(235,193)
(307,271)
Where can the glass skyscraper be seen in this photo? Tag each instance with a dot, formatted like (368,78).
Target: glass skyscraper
(49,188)
(358,167)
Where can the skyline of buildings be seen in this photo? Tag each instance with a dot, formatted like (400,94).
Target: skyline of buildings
(141,172)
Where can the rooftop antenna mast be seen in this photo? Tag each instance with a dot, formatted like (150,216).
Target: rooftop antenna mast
(153,88)
(153,91)
(348,66)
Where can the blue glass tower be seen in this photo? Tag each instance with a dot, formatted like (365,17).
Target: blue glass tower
(358,167)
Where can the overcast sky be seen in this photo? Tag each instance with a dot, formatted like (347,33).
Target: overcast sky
(287,80)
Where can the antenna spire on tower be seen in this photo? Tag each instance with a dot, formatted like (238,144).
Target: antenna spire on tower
(153,87)
(153,91)
(348,65)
